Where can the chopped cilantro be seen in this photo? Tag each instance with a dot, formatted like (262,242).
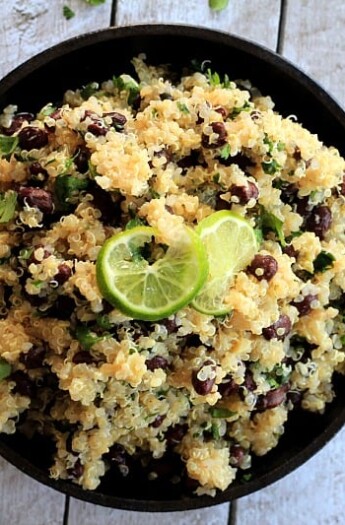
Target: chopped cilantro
(87,338)
(25,253)
(68,13)
(182,107)
(67,187)
(213,78)
(259,235)
(221,412)
(218,5)
(268,221)
(95,2)
(133,223)
(7,145)
(278,376)
(324,261)
(8,203)
(225,152)
(342,340)
(103,322)
(237,110)
(246,477)
(270,167)
(47,110)
(127,83)
(215,431)
(90,89)
(216,178)
(5,369)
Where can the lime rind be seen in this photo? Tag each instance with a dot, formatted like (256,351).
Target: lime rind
(151,291)
(230,244)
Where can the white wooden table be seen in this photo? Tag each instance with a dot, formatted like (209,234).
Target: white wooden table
(311,34)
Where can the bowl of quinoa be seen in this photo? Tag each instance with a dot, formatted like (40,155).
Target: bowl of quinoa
(192,409)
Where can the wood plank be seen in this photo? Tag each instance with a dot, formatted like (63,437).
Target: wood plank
(259,22)
(23,500)
(34,25)
(88,514)
(314,40)
(313,494)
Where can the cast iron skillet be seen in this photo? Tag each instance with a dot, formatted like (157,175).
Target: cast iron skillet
(98,56)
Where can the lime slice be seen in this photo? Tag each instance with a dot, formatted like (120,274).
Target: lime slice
(230,244)
(149,281)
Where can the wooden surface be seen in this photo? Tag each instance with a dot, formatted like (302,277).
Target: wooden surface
(311,35)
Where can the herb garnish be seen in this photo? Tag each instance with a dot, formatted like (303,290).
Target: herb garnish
(8,203)
(218,5)
(67,12)
(7,145)
(324,261)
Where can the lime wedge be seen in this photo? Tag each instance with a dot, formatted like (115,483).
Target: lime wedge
(230,244)
(149,281)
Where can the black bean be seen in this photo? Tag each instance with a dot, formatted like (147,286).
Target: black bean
(64,273)
(32,137)
(165,96)
(221,204)
(83,357)
(263,267)
(190,161)
(297,155)
(36,169)
(192,340)
(319,221)
(219,129)
(117,119)
(175,434)
(341,190)
(273,398)
(117,454)
(170,325)
(77,470)
(33,358)
(222,111)
(278,330)
(228,387)
(304,305)
(236,455)
(37,197)
(62,308)
(156,362)
(23,384)
(16,123)
(204,378)
(303,207)
(158,421)
(288,193)
(97,128)
(295,397)
(32,258)
(241,160)
(255,115)
(290,251)
(244,194)
(81,159)
(249,382)
(109,208)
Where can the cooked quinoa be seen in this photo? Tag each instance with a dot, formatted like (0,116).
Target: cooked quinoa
(212,391)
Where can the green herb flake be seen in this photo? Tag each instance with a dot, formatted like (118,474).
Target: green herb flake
(218,5)
(324,261)
(103,322)
(67,188)
(8,202)
(268,221)
(213,78)
(219,413)
(7,145)
(182,107)
(270,167)
(95,2)
(5,369)
(25,253)
(225,152)
(47,110)
(237,110)
(246,477)
(127,83)
(215,431)
(87,338)
(67,12)
(133,223)
(90,89)
(342,340)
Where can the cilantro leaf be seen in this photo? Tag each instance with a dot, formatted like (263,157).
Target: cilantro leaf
(8,202)
(5,369)
(127,83)
(268,221)
(132,223)
(7,145)
(95,2)
(225,152)
(182,107)
(67,12)
(221,412)
(218,5)
(90,89)
(87,338)
(237,110)
(270,167)
(67,187)
(324,261)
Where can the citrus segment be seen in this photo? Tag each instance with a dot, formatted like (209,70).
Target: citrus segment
(149,281)
(230,244)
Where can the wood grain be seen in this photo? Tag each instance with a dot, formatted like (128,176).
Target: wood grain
(27,27)
(258,22)
(87,514)
(311,495)
(24,501)
(314,40)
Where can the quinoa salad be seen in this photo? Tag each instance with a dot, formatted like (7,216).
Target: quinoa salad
(191,397)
